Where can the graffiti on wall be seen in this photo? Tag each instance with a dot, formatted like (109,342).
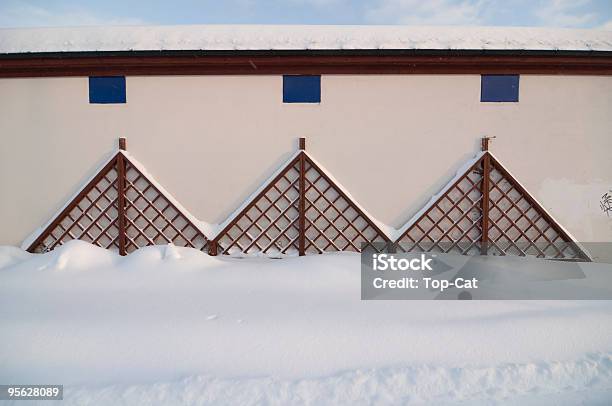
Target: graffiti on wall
(606,203)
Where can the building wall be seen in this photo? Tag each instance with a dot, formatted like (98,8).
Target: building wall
(391,140)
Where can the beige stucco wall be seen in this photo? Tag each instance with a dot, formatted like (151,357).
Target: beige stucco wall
(392,141)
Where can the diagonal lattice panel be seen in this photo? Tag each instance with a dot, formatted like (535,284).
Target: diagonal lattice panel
(151,219)
(452,223)
(120,209)
(518,225)
(91,216)
(269,223)
(332,221)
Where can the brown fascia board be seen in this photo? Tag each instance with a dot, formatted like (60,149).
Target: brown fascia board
(305,62)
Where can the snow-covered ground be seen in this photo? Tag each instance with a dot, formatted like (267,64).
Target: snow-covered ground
(169,325)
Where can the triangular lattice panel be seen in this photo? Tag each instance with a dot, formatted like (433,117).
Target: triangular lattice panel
(301,210)
(91,216)
(151,219)
(518,225)
(453,222)
(120,209)
(332,221)
(269,223)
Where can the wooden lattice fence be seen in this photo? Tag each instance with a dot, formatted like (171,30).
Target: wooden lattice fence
(302,210)
(486,210)
(121,209)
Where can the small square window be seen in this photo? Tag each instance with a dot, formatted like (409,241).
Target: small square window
(301,89)
(499,88)
(106,89)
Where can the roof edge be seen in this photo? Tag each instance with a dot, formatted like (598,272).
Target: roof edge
(305,62)
(308,52)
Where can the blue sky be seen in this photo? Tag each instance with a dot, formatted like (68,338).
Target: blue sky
(547,13)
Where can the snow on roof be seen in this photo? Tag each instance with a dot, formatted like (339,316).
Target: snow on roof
(298,37)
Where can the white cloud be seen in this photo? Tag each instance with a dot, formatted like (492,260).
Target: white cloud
(565,13)
(606,26)
(428,12)
(28,15)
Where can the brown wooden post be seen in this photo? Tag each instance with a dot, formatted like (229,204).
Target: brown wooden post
(121,198)
(302,200)
(212,247)
(485,143)
(486,173)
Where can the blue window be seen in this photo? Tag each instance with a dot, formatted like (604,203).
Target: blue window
(106,89)
(301,89)
(499,88)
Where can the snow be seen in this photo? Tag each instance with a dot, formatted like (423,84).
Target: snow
(170,325)
(11,255)
(298,37)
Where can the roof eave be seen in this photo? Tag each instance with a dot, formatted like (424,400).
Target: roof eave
(257,62)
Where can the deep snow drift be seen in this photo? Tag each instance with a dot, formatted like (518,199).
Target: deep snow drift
(169,325)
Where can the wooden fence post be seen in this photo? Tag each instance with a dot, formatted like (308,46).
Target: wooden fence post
(302,200)
(121,197)
(486,173)
(212,247)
